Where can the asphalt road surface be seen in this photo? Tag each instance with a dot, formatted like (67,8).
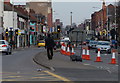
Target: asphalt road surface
(20,67)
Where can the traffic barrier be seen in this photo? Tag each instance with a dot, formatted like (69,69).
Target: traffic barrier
(72,50)
(113,60)
(87,57)
(83,53)
(98,59)
(68,51)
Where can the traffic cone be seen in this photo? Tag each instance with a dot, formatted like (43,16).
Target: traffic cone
(64,48)
(87,57)
(68,51)
(83,53)
(113,60)
(61,51)
(72,50)
(98,59)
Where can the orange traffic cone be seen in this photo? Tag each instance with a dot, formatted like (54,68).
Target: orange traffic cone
(88,54)
(64,48)
(72,50)
(68,50)
(113,60)
(61,51)
(83,53)
(98,59)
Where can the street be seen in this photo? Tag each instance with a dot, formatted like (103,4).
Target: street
(20,66)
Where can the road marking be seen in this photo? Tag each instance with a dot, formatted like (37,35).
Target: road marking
(14,76)
(86,64)
(116,65)
(38,77)
(57,76)
(8,80)
(109,71)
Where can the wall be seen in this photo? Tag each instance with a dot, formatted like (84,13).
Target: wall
(9,18)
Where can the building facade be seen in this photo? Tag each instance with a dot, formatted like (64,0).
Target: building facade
(1,17)
(103,22)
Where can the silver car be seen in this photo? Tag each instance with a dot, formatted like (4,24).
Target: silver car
(92,44)
(104,46)
(5,47)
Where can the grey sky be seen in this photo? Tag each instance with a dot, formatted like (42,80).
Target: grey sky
(81,10)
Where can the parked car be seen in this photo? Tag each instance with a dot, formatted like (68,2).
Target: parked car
(64,41)
(92,44)
(5,47)
(41,43)
(57,43)
(104,46)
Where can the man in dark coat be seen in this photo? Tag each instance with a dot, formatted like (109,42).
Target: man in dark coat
(49,44)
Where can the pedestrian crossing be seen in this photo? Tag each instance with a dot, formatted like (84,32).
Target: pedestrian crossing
(35,76)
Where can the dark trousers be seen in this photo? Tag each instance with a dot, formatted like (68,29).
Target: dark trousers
(50,53)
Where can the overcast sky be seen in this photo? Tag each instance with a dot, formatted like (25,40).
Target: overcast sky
(82,9)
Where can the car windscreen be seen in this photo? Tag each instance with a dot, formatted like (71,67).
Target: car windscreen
(41,42)
(2,42)
(64,40)
(103,43)
(93,42)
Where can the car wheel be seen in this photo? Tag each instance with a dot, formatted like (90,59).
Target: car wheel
(10,52)
(7,53)
(96,51)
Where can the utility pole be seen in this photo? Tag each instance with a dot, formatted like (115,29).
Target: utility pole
(115,21)
(71,19)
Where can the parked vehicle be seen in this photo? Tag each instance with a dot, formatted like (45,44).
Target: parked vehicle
(64,41)
(41,43)
(5,47)
(92,44)
(104,46)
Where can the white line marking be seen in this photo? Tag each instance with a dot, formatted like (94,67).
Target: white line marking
(109,71)
(86,64)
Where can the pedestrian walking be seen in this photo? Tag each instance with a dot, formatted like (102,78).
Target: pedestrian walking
(49,45)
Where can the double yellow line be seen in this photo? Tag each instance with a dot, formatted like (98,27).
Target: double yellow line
(57,76)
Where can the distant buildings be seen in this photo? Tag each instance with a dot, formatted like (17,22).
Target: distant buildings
(25,23)
(103,22)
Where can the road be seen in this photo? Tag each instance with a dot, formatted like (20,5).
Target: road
(20,67)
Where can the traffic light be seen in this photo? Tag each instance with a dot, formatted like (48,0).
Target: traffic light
(6,32)
(16,32)
(58,28)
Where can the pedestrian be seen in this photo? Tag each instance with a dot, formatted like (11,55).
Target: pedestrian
(49,45)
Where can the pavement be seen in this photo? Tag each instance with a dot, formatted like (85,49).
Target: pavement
(58,61)
(75,71)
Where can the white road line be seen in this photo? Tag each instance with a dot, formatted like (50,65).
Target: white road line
(116,65)
(86,64)
(109,71)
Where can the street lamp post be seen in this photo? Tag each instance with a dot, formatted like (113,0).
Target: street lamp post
(115,20)
(71,19)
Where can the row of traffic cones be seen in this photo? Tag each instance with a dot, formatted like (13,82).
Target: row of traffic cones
(86,56)
(66,50)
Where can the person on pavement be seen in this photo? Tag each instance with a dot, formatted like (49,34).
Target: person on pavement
(49,45)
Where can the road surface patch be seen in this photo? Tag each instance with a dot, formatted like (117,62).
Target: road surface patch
(57,76)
